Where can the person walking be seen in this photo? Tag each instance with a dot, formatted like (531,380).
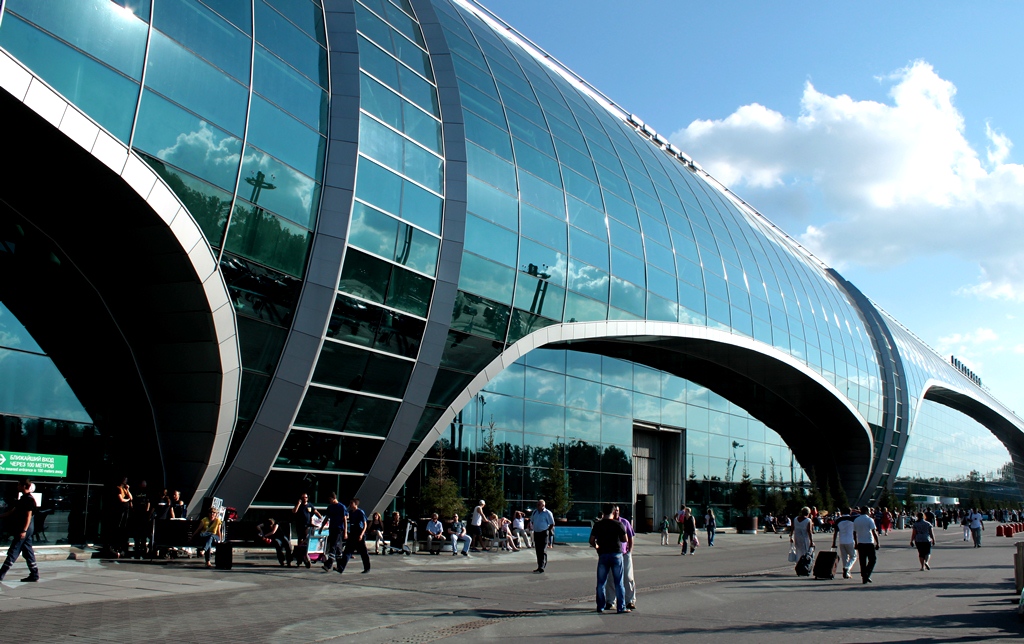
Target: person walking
(664,530)
(355,541)
(802,536)
(977,525)
(543,522)
(23,513)
(923,536)
(867,543)
(688,533)
(843,533)
(607,537)
(336,518)
(709,526)
(628,582)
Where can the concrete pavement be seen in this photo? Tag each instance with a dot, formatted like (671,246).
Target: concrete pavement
(742,588)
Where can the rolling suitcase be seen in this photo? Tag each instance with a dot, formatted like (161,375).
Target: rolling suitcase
(825,564)
(803,565)
(223,556)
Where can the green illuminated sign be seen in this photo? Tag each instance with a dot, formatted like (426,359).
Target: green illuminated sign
(21,464)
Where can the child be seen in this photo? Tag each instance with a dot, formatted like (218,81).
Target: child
(664,530)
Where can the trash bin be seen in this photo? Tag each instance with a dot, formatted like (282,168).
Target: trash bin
(901,523)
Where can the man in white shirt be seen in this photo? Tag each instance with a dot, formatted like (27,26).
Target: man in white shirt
(977,525)
(435,532)
(847,544)
(542,522)
(476,522)
(867,543)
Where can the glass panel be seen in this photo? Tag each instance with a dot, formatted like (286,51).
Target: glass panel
(268,239)
(541,261)
(480,316)
(327,452)
(410,292)
(278,187)
(493,241)
(374,231)
(351,368)
(292,91)
(288,42)
(379,186)
(342,411)
(417,250)
(31,385)
(488,137)
(179,138)
(189,81)
(421,207)
(260,344)
(377,63)
(540,297)
(486,278)
(592,250)
(380,101)
(469,353)
(238,12)
(305,14)
(549,230)
(490,168)
(207,34)
(583,309)
(208,205)
(588,280)
(14,335)
(365,277)
(259,292)
(275,132)
(108,97)
(102,29)
(490,203)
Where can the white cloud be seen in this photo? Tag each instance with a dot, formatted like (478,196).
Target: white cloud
(895,180)
(979,336)
(1019,348)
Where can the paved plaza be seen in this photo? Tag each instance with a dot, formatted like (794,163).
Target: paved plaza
(742,589)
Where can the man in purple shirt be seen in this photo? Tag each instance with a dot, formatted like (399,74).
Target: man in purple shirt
(627,564)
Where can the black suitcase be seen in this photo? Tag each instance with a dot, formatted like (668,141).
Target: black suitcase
(825,564)
(223,556)
(803,565)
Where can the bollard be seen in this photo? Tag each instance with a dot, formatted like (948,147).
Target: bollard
(1000,530)
(1009,532)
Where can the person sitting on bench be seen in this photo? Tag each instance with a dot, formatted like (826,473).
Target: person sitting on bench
(208,532)
(435,532)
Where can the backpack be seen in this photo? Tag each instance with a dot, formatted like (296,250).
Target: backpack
(803,567)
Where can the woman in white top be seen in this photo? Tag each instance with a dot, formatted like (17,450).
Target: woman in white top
(803,536)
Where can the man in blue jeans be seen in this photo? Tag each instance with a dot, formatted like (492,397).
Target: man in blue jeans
(607,537)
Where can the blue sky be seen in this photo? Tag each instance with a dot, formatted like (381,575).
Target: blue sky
(879,135)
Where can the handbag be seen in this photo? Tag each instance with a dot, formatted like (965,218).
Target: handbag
(792,555)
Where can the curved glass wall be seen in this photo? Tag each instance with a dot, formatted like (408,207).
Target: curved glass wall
(573,217)
(951,455)
(582,408)
(387,278)
(228,102)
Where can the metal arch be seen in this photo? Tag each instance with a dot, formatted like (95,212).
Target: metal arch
(638,331)
(66,117)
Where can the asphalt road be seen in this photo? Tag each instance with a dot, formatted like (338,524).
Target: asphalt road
(743,588)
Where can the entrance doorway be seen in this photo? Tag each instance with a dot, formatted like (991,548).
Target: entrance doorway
(657,474)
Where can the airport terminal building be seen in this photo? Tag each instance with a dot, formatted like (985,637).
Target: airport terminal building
(255,247)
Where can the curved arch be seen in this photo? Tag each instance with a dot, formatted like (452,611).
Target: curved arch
(1007,428)
(155,293)
(771,385)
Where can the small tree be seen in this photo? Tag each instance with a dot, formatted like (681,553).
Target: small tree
(557,494)
(745,497)
(440,493)
(489,485)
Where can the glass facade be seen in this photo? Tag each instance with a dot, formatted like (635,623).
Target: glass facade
(953,456)
(573,214)
(581,408)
